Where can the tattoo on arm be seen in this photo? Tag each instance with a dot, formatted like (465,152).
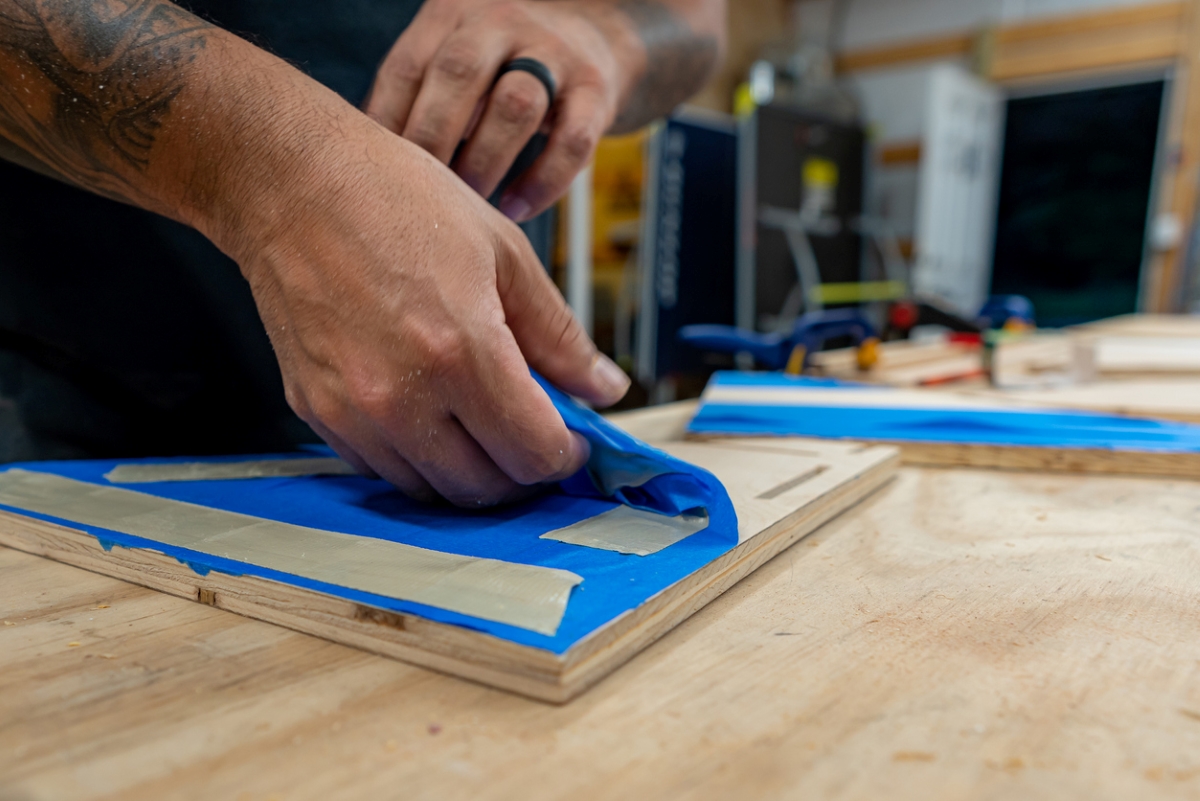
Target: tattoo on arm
(678,62)
(86,85)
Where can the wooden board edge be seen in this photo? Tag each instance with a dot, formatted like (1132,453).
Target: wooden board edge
(1025,458)
(445,648)
(442,647)
(1058,460)
(610,647)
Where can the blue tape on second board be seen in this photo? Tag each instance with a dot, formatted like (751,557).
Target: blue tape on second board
(1012,427)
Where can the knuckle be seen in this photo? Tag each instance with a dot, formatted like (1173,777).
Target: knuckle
(578,142)
(451,353)
(324,409)
(589,74)
(565,331)
(426,133)
(458,63)
(404,67)
(507,13)
(519,104)
(446,350)
(539,462)
(296,400)
(371,398)
(376,405)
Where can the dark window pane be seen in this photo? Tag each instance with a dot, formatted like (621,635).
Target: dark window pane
(1074,194)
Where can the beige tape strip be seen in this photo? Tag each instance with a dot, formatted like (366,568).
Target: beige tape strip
(627,530)
(208,471)
(526,596)
(851,399)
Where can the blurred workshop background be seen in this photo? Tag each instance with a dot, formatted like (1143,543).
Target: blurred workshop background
(899,162)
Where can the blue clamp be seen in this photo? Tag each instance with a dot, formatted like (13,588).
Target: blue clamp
(790,352)
(1007,311)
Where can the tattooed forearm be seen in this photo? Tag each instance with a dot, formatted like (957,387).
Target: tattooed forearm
(86,85)
(678,62)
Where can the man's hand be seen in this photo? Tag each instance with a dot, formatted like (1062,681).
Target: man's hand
(616,66)
(403,310)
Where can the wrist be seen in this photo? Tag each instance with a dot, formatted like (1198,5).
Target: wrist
(267,152)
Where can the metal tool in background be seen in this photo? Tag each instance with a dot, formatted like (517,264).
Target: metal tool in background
(800,184)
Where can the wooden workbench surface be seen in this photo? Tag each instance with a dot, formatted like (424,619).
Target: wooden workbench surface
(962,633)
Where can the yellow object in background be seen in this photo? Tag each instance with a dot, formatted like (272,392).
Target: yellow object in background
(795,363)
(617,174)
(860,292)
(743,101)
(819,172)
(868,353)
(617,177)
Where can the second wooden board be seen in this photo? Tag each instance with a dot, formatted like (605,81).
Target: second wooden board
(938,428)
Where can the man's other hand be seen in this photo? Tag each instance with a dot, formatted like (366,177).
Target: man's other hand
(615,66)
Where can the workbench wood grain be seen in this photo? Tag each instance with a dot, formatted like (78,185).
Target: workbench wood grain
(961,633)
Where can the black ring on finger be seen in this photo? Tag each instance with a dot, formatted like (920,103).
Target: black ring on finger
(535,68)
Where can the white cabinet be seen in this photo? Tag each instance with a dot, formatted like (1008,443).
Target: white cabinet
(943,199)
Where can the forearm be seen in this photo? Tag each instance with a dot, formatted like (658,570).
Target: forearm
(676,46)
(141,101)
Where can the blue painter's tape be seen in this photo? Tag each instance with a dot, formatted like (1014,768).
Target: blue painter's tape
(628,470)
(1013,427)
(621,468)
(730,378)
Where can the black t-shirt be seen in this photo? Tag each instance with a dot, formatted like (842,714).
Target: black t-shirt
(123,333)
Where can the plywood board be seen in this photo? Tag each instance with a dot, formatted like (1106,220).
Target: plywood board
(1131,345)
(1144,325)
(1132,356)
(1144,366)
(960,634)
(937,428)
(781,493)
(1160,398)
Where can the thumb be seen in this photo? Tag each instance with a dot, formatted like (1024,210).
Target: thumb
(550,337)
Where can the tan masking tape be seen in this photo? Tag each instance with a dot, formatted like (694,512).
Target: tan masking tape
(526,596)
(627,530)
(208,471)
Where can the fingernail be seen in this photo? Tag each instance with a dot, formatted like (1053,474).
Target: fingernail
(585,453)
(610,377)
(514,208)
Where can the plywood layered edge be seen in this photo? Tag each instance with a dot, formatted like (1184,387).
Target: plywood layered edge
(1029,458)
(442,647)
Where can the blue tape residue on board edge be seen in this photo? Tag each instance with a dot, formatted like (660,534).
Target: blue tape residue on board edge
(1013,427)
(612,583)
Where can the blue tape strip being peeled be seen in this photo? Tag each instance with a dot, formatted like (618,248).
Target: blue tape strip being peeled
(627,470)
